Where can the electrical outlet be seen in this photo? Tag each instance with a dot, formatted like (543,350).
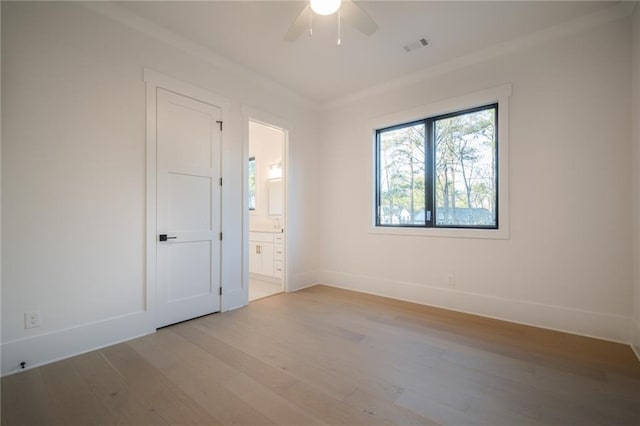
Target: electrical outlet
(451,280)
(31,319)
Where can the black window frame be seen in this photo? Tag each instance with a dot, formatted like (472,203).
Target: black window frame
(430,154)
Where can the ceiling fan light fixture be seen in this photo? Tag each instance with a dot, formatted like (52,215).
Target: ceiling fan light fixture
(325,7)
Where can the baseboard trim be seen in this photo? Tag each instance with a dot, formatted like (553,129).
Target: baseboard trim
(267,278)
(635,343)
(303,280)
(302,288)
(615,328)
(58,345)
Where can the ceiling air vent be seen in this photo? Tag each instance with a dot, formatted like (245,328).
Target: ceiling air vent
(423,42)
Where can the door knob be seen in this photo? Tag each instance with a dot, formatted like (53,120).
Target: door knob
(163,237)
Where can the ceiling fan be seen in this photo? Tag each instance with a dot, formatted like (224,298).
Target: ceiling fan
(348,12)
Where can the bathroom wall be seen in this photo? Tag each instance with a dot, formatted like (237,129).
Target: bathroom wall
(266,145)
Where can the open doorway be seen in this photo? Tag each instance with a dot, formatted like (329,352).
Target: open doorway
(267,210)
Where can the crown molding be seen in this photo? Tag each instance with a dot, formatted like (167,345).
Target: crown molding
(620,11)
(126,17)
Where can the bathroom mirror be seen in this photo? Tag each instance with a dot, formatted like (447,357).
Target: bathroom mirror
(274,188)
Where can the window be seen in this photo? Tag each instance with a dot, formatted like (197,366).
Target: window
(252,183)
(440,172)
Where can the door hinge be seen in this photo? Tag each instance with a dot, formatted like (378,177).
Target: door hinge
(220,291)
(220,181)
(221,236)
(220,123)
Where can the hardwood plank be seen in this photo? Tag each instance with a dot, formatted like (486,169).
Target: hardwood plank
(334,368)
(393,413)
(287,357)
(327,408)
(72,399)
(435,411)
(199,376)
(153,389)
(261,372)
(497,414)
(272,405)
(25,400)
(113,392)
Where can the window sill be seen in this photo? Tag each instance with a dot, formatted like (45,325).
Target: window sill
(488,234)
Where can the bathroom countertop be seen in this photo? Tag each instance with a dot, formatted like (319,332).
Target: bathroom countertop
(270,230)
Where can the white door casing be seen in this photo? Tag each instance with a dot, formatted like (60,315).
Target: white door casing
(188,208)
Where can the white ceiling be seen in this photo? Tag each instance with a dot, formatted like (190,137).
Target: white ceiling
(250,33)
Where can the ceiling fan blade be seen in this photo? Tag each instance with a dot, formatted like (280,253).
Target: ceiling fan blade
(299,25)
(353,15)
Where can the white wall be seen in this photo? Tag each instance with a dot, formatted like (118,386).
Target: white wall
(568,261)
(73,175)
(635,120)
(266,145)
(0,198)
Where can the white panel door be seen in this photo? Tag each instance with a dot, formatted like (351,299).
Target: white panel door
(188,269)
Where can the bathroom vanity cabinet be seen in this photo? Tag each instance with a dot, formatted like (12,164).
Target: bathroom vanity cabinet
(266,253)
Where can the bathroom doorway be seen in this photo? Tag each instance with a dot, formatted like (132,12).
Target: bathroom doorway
(267,210)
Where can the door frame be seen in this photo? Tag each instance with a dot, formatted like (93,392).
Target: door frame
(258,116)
(153,81)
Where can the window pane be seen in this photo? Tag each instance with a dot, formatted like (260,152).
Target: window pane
(465,169)
(252,183)
(401,176)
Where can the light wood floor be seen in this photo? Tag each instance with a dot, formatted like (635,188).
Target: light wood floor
(328,356)
(259,289)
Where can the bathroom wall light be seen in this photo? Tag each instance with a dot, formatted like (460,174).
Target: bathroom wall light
(275,171)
